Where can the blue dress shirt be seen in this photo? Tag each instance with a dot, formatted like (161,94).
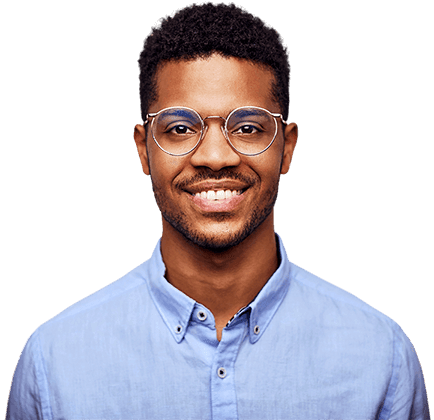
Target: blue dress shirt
(141,349)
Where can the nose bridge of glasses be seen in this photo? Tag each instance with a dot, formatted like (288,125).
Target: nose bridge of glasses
(215,117)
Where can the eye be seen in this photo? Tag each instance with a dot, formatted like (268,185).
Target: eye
(180,129)
(247,129)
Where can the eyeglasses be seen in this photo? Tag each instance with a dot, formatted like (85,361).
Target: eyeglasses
(250,130)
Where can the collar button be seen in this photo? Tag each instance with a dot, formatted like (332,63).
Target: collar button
(201,315)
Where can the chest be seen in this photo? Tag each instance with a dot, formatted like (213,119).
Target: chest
(284,375)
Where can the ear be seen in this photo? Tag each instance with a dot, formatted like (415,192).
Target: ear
(290,138)
(140,139)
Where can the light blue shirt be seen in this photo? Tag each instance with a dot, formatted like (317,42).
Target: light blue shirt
(141,349)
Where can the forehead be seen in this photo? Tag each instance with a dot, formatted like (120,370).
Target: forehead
(214,85)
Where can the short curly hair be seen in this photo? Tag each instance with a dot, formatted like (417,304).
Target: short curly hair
(198,31)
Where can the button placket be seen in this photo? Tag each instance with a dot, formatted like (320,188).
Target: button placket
(223,391)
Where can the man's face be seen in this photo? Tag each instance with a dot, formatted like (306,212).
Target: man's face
(214,87)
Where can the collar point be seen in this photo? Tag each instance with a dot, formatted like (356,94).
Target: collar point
(254,338)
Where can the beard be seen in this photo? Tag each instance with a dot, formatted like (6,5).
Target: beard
(210,241)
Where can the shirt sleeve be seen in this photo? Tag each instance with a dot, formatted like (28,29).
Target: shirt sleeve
(406,397)
(28,398)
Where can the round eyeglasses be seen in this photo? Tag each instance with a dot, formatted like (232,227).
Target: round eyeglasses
(250,130)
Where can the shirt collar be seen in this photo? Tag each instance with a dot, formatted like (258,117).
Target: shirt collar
(176,308)
(268,300)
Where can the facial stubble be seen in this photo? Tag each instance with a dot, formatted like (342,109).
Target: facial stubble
(180,221)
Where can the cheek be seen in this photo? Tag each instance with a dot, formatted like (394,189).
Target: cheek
(268,166)
(163,168)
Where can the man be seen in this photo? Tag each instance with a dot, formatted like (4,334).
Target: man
(218,323)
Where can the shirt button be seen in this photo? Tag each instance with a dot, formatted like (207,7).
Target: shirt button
(256,329)
(221,372)
(201,315)
(178,329)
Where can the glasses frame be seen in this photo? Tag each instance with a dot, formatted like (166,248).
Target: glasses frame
(204,127)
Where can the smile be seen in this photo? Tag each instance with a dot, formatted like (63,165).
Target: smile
(218,195)
(217,201)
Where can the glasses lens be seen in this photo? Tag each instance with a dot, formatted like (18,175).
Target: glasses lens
(251,130)
(177,130)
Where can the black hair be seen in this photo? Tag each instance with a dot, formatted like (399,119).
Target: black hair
(198,31)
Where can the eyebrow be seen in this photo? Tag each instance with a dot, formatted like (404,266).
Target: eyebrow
(179,112)
(247,112)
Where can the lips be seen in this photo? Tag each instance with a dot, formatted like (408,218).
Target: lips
(217,185)
(217,205)
(217,196)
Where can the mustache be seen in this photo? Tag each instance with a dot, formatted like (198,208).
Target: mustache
(209,175)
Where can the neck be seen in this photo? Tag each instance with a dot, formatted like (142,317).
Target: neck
(225,281)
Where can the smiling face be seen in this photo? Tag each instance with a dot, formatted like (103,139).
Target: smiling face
(215,196)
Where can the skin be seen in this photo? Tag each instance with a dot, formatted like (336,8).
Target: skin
(221,259)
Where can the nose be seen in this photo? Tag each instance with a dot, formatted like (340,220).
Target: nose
(214,151)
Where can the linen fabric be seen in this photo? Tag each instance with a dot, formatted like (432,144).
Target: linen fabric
(141,349)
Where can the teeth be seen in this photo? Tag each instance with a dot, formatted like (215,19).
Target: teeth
(218,195)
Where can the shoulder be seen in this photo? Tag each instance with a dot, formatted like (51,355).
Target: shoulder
(334,302)
(353,336)
(100,308)
(69,344)
(335,317)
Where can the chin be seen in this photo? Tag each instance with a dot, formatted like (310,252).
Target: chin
(214,243)
(219,240)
